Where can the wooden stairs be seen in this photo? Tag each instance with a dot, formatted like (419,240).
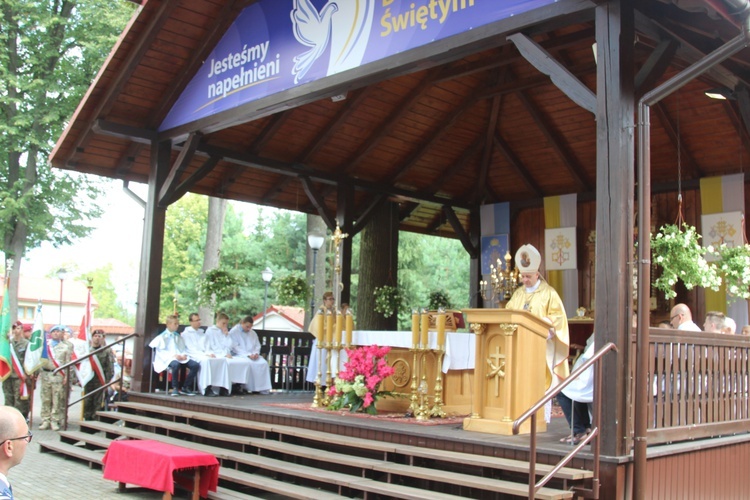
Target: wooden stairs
(262,460)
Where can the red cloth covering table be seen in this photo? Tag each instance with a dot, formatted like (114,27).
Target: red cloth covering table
(151,464)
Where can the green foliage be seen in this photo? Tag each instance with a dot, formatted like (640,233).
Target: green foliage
(217,285)
(679,254)
(388,300)
(292,290)
(49,55)
(734,265)
(439,299)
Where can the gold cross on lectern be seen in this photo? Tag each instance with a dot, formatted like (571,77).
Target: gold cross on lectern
(496,371)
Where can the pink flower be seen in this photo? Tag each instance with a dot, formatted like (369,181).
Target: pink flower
(368,400)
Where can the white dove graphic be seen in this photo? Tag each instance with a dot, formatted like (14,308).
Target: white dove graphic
(311,28)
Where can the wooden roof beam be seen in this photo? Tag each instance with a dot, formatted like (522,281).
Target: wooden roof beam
(183,160)
(445,126)
(318,202)
(463,236)
(563,78)
(655,66)
(327,132)
(517,166)
(489,132)
(456,167)
(553,137)
(367,214)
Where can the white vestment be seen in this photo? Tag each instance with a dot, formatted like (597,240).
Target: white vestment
(214,371)
(245,344)
(220,345)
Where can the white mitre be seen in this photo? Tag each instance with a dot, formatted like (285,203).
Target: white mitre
(528,259)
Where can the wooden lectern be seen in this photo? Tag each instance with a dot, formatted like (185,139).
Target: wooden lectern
(509,371)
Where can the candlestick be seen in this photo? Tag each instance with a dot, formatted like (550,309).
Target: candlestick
(339,328)
(441,329)
(349,328)
(414,328)
(319,328)
(425,325)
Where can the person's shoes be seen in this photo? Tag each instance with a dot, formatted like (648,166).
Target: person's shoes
(209,393)
(187,392)
(44,426)
(575,439)
(225,393)
(174,392)
(265,393)
(55,426)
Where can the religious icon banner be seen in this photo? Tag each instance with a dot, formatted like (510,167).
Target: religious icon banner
(560,248)
(721,229)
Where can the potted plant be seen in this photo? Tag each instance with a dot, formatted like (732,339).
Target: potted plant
(357,386)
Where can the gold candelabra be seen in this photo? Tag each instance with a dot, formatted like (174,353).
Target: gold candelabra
(503,281)
(419,405)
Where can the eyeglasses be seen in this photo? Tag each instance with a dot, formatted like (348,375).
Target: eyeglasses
(27,438)
(329,298)
(675,316)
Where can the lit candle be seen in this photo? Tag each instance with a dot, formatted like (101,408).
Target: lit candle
(329,327)
(319,327)
(349,328)
(441,329)
(414,328)
(425,326)
(339,327)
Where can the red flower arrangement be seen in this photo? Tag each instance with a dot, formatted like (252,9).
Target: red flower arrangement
(356,386)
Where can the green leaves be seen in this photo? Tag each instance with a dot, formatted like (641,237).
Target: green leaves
(292,290)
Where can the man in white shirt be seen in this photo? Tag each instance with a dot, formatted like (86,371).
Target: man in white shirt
(247,345)
(220,344)
(214,374)
(681,318)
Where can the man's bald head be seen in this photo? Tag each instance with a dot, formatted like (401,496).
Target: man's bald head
(14,438)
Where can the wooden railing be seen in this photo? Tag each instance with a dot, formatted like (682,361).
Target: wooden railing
(66,367)
(699,385)
(592,437)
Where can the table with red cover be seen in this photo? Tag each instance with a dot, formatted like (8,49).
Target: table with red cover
(151,464)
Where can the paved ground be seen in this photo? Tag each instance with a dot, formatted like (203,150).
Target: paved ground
(48,476)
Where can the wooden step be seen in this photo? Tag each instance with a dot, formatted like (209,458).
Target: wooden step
(227,494)
(495,463)
(90,456)
(279,487)
(71,437)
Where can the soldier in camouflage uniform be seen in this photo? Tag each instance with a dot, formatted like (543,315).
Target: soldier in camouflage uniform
(106,359)
(55,387)
(13,384)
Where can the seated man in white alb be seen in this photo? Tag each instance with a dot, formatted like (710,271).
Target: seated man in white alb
(219,343)
(247,345)
(214,374)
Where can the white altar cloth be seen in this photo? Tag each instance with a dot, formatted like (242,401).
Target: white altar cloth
(459,350)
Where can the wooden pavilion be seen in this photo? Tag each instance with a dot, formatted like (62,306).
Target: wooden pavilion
(525,101)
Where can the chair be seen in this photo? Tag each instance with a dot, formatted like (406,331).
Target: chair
(277,362)
(297,368)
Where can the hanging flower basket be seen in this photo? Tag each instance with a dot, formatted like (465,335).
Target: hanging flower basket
(440,299)
(734,264)
(292,290)
(387,300)
(217,285)
(678,252)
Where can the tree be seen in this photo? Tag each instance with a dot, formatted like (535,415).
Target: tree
(106,295)
(49,52)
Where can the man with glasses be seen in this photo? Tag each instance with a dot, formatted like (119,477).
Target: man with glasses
(14,438)
(681,318)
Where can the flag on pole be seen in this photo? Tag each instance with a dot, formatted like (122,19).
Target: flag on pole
(81,345)
(37,344)
(18,369)
(5,356)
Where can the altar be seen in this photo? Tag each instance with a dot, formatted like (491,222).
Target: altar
(457,368)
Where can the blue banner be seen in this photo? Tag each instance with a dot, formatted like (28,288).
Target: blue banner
(275,45)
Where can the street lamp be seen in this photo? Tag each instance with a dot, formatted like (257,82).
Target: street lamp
(315,242)
(267,275)
(61,275)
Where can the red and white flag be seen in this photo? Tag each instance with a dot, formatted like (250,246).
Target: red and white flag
(81,343)
(18,369)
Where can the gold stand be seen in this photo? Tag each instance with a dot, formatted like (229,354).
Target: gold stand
(437,408)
